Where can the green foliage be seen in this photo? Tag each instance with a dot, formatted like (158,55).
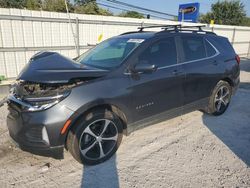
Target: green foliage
(54,5)
(132,14)
(83,2)
(33,4)
(246,21)
(225,12)
(91,8)
(12,3)
(2,78)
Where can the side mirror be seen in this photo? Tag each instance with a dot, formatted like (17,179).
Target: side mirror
(144,67)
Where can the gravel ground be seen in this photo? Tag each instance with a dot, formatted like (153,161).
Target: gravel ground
(194,150)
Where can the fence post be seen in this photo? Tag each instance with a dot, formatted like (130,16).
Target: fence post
(77,37)
(248,53)
(233,38)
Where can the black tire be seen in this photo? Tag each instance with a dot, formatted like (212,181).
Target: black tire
(221,89)
(87,133)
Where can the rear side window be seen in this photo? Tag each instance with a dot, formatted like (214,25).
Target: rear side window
(210,49)
(161,53)
(193,47)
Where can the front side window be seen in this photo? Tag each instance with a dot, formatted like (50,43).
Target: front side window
(162,53)
(193,47)
(110,53)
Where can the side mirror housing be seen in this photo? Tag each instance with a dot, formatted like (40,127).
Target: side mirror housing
(144,67)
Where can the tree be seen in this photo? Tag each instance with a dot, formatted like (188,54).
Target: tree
(56,5)
(12,4)
(91,7)
(246,22)
(131,14)
(226,12)
(33,4)
(83,2)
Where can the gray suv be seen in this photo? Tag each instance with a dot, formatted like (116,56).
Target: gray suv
(86,105)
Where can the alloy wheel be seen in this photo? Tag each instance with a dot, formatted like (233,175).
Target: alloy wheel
(222,98)
(98,139)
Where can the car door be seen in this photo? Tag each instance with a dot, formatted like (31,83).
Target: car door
(161,90)
(201,68)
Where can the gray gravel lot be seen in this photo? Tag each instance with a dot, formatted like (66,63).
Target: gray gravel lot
(193,150)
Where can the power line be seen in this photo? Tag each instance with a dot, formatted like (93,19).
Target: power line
(123,9)
(141,8)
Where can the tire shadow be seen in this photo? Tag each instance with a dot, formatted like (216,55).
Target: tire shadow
(233,127)
(103,175)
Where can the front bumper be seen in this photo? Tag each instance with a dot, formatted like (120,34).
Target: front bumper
(38,132)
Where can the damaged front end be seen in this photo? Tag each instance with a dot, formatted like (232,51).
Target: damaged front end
(48,79)
(35,118)
(39,96)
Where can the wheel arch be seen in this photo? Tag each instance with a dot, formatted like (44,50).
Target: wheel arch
(228,80)
(122,116)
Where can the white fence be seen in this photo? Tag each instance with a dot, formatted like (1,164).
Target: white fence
(25,32)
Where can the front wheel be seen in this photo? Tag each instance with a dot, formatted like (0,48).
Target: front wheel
(95,137)
(220,98)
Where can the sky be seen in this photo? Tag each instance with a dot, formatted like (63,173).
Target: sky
(171,6)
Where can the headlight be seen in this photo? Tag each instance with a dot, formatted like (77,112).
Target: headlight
(36,97)
(43,103)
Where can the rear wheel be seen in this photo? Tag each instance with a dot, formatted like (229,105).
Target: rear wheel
(220,98)
(95,137)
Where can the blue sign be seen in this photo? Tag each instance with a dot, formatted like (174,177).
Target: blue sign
(188,12)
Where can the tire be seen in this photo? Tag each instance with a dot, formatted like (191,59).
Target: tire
(219,99)
(95,137)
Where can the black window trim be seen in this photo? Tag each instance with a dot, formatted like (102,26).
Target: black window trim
(187,62)
(201,59)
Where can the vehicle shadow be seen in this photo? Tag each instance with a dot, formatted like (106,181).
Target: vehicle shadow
(233,127)
(103,175)
(245,65)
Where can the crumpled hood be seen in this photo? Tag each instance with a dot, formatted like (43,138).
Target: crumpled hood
(51,67)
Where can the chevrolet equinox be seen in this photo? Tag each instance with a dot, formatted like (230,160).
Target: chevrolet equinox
(129,81)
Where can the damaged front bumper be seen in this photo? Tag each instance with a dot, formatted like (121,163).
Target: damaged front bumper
(37,132)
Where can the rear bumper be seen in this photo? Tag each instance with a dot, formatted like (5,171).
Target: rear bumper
(38,132)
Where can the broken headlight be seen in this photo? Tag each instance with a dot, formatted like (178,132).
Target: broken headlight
(43,103)
(37,97)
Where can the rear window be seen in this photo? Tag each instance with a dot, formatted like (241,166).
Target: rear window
(193,48)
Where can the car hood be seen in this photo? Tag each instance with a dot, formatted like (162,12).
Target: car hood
(51,67)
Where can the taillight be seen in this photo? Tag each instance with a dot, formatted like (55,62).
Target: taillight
(237,58)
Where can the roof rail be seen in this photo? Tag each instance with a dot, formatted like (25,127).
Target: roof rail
(174,28)
(157,26)
(185,28)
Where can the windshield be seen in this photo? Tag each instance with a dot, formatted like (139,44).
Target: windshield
(110,53)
